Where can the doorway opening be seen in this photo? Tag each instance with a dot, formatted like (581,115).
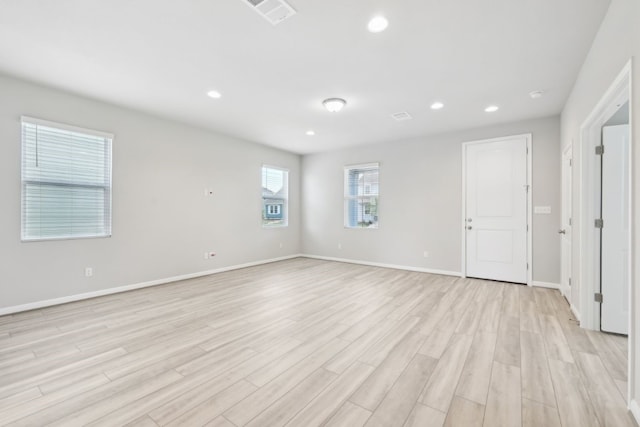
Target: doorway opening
(606,201)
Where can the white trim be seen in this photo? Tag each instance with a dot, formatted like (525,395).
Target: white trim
(575,311)
(63,126)
(126,288)
(546,285)
(528,137)
(635,409)
(383,265)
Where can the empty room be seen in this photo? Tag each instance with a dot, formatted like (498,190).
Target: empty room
(319,213)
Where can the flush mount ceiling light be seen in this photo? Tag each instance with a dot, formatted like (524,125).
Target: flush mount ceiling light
(214,94)
(378,24)
(491,109)
(536,94)
(310,132)
(334,105)
(437,106)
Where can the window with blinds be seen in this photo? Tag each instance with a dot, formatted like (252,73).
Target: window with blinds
(361,191)
(275,197)
(66,181)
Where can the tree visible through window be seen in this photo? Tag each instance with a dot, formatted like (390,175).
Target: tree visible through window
(275,196)
(361,191)
(66,181)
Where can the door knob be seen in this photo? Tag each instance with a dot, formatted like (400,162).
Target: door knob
(469,220)
(562,231)
(469,227)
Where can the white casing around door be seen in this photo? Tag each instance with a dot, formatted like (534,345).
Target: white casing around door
(496,209)
(614,267)
(566,224)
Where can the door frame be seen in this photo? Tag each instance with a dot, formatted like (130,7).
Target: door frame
(620,91)
(589,259)
(565,265)
(527,137)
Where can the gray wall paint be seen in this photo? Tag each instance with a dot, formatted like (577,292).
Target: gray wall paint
(421,200)
(162,222)
(617,41)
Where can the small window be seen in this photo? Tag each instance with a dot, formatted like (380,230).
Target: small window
(275,196)
(66,181)
(361,188)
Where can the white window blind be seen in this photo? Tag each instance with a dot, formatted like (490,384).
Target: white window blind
(66,181)
(275,197)
(361,192)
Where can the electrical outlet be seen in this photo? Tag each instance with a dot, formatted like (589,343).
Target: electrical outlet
(206,255)
(339,245)
(281,245)
(211,254)
(88,272)
(425,254)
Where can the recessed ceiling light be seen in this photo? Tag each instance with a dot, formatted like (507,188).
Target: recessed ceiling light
(310,132)
(536,94)
(437,105)
(491,108)
(214,94)
(334,104)
(378,24)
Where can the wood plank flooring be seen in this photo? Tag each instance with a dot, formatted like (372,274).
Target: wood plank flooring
(312,343)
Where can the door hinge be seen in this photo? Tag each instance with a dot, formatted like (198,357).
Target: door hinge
(569,281)
(570,221)
(599,150)
(597,297)
(599,223)
(570,162)
(527,266)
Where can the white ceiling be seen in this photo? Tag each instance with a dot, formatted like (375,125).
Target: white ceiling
(162,56)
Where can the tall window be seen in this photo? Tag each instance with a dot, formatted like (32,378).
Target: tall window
(66,181)
(275,196)
(361,190)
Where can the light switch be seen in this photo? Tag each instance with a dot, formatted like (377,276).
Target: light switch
(545,210)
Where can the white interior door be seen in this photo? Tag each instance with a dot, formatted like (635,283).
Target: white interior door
(565,223)
(615,232)
(496,209)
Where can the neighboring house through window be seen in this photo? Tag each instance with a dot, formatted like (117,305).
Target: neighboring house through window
(361,191)
(275,195)
(66,181)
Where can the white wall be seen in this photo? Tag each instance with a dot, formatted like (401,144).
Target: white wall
(162,222)
(616,42)
(421,200)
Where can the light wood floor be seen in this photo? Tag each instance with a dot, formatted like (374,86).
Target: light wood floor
(305,343)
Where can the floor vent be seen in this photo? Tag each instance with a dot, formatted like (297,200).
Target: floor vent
(402,116)
(274,11)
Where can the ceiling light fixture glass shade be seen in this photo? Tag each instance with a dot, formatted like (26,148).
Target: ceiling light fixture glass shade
(378,24)
(437,105)
(491,108)
(214,94)
(334,105)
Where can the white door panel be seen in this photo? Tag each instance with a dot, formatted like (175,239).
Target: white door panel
(496,209)
(614,240)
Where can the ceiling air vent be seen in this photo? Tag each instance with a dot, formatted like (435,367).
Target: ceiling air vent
(274,11)
(402,116)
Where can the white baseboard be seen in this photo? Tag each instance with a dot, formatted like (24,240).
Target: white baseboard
(393,266)
(575,312)
(102,292)
(546,285)
(635,410)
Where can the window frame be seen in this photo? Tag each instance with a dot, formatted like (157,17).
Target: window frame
(107,187)
(284,209)
(365,197)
